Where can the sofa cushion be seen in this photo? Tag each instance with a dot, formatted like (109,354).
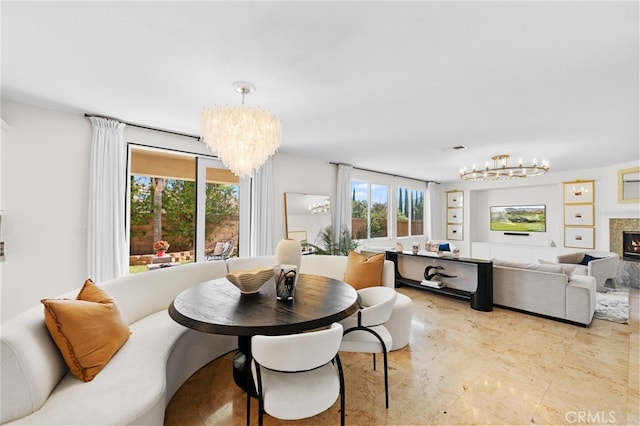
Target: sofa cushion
(588,258)
(567,269)
(580,269)
(557,269)
(364,271)
(572,257)
(88,330)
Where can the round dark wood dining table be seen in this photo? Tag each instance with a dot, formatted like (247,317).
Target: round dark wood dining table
(217,306)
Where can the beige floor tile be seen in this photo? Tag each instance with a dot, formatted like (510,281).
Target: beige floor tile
(462,367)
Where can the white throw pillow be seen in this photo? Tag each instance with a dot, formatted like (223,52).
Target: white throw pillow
(556,268)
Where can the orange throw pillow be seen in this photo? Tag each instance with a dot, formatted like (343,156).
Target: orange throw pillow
(364,272)
(88,330)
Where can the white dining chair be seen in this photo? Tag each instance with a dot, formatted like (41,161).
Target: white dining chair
(298,375)
(364,331)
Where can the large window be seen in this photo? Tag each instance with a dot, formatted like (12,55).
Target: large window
(162,206)
(369,210)
(410,212)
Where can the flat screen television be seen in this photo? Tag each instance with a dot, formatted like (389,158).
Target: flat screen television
(519,218)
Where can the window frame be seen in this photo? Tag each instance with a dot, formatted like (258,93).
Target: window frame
(393,184)
(411,191)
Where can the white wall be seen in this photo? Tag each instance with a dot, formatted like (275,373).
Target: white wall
(45,204)
(534,195)
(45,178)
(44,162)
(3,129)
(546,189)
(302,175)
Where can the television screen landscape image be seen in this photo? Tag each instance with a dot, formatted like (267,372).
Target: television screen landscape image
(519,218)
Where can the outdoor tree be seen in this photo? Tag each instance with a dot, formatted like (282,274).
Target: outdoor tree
(173,208)
(141,202)
(158,189)
(178,206)
(378,222)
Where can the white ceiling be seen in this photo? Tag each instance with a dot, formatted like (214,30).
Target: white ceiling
(387,86)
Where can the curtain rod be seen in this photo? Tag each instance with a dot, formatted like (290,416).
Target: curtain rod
(388,174)
(155,129)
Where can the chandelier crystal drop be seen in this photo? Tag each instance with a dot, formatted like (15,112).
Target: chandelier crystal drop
(242,137)
(322,207)
(502,171)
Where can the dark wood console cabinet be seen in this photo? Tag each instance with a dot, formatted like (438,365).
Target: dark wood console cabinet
(481,299)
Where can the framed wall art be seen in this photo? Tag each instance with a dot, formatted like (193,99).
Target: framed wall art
(454,232)
(455,198)
(578,215)
(578,191)
(579,211)
(579,237)
(629,185)
(454,215)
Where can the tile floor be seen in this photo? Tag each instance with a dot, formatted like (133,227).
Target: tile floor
(463,367)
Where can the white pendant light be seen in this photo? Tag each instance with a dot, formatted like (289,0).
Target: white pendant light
(242,137)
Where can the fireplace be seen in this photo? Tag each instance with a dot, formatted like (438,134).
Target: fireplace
(631,245)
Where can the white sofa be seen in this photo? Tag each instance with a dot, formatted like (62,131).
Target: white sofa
(138,382)
(601,269)
(544,290)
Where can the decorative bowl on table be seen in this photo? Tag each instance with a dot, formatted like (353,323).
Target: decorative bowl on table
(249,282)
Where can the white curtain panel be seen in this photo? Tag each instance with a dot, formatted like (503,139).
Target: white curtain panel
(108,244)
(261,241)
(431,195)
(342,215)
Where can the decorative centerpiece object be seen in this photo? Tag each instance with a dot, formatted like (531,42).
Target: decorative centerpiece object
(160,247)
(249,282)
(285,278)
(399,247)
(289,252)
(415,248)
(432,246)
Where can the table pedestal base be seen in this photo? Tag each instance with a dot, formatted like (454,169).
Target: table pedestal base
(242,366)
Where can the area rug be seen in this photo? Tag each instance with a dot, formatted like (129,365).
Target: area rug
(613,305)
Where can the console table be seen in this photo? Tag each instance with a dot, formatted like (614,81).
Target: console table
(480,273)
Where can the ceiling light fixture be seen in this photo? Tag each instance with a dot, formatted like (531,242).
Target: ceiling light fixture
(322,207)
(502,171)
(242,137)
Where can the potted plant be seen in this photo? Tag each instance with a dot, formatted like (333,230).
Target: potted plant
(328,245)
(160,247)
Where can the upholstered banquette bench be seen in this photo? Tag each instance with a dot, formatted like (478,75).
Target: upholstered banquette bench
(136,384)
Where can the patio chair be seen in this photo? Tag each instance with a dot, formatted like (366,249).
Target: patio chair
(222,251)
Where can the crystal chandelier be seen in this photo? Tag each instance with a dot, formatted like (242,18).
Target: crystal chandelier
(242,137)
(322,207)
(502,171)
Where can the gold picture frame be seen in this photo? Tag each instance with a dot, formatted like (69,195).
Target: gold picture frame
(578,192)
(629,185)
(579,237)
(454,215)
(454,232)
(578,215)
(455,198)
